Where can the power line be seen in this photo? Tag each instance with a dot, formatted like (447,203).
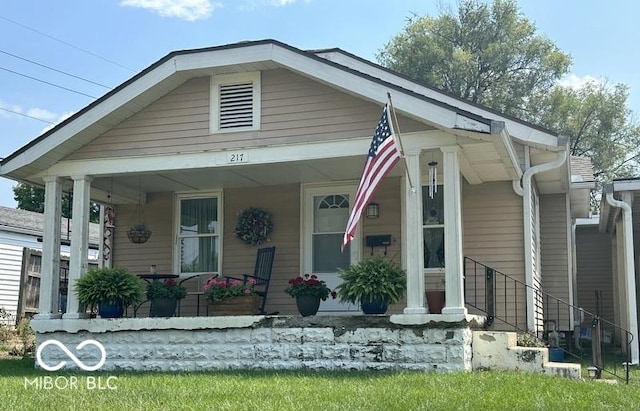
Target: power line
(56,70)
(67,44)
(25,115)
(46,82)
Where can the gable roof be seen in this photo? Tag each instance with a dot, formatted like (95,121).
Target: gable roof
(410,99)
(32,223)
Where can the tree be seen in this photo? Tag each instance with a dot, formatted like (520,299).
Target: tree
(490,55)
(597,120)
(31,198)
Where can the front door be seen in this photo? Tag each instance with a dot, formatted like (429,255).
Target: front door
(326,211)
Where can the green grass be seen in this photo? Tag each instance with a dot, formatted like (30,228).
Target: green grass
(314,391)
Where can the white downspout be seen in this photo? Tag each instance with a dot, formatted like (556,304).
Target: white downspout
(525,192)
(630,282)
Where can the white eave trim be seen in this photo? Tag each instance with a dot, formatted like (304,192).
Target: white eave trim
(521,132)
(356,146)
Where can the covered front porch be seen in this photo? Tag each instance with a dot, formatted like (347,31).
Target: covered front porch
(302,197)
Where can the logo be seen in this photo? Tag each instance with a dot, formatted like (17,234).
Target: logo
(83,366)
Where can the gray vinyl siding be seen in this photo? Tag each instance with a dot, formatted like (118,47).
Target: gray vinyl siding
(294,109)
(554,229)
(493,236)
(594,270)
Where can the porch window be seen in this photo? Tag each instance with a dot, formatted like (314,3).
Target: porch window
(199,235)
(433,227)
(235,102)
(329,219)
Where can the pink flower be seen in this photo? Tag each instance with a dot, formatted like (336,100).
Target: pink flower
(247,291)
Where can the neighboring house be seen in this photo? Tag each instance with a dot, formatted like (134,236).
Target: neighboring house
(608,250)
(202,134)
(20,229)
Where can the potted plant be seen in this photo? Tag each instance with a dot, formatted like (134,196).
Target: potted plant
(164,296)
(109,289)
(374,283)
(138,233)
(308,291)
(231,297)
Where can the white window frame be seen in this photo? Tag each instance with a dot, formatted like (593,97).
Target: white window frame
(176,220)
(214,108)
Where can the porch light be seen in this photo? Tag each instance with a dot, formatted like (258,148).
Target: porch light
(373,210)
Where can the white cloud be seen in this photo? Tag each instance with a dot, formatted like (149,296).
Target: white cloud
(41,113)
(576,83)
(190,10)
(59,120)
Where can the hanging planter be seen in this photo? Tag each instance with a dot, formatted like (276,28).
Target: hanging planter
(254,226)
(138,234)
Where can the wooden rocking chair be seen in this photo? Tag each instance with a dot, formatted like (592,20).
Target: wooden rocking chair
(261,274)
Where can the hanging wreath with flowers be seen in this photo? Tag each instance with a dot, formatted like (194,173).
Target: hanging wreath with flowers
(254,226)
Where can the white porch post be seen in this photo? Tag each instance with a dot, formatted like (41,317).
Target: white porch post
(453,258)
(50,280)
(413,252)
(79,241)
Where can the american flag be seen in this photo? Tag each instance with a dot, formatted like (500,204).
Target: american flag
(383,155)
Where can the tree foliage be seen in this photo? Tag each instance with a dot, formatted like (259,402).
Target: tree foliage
(597,120)
(488,54)
(31,198)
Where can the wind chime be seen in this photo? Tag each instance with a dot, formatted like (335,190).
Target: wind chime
(433,178)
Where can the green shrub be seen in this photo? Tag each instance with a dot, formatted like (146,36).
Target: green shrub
(375,278)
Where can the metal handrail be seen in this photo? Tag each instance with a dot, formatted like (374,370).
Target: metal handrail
(498,296)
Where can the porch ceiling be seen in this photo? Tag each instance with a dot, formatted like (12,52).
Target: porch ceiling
(251,175)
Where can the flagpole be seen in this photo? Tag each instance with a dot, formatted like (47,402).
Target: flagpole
(399,140)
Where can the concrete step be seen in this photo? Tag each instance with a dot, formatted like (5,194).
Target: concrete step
(497,350)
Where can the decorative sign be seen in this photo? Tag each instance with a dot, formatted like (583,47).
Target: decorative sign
(238,157)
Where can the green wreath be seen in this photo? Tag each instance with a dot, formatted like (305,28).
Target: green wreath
(254,226)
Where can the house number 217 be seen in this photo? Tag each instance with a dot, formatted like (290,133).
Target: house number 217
(237,158)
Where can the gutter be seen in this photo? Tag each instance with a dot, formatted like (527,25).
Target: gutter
(629,272)
(525,191)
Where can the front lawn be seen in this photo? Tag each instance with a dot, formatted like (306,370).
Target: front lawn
(262,390)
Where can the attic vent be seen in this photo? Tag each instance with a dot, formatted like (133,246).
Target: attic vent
(235,102)
(236,105)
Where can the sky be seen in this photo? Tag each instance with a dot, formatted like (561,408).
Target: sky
(93,46)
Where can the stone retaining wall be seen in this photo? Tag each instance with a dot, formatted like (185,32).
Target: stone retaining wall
(258,342)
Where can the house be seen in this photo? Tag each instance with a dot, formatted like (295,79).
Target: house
(20,230)
(202,134)
(607,258)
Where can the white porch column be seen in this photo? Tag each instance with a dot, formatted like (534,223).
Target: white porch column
(50,281)
(79,241)
(453,253)
(413,252)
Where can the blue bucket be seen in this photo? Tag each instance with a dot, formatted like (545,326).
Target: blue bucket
(556,355)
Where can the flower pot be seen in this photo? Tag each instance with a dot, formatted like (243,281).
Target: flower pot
(111,309)
(374,306)
(435,301)
(138,236)
(240,305)
(163,307)
(307,304)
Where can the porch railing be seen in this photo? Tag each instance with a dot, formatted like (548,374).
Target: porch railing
(578,333)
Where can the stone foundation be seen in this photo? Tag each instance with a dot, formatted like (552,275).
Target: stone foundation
(259,342)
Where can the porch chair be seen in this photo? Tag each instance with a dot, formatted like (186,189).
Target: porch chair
(262,275)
